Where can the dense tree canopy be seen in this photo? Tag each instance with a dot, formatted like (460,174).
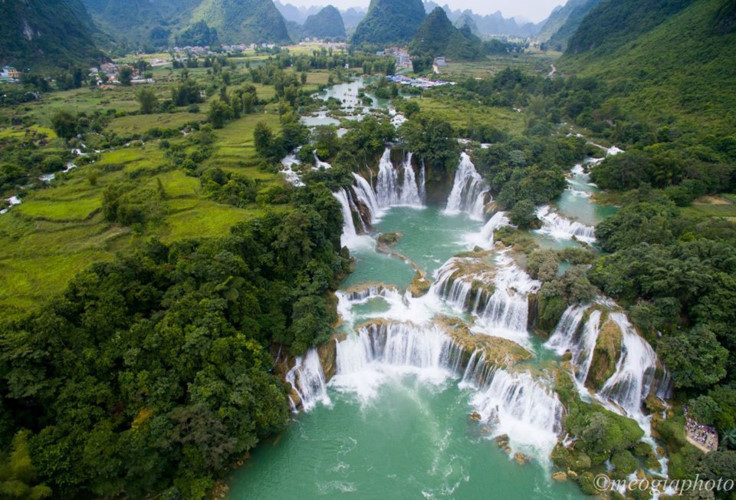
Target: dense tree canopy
(153,372)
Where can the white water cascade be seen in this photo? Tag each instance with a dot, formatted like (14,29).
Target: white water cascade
(319,163)
(308,380)
(635,370)
(484,239)
(579,339)
(349,236)
(523,408)
(516,404)
(288,164)
(379,351)
(392,193)
(506,313)
(365,194)
(348,226)
(562,228)
(456,289)
(468,190)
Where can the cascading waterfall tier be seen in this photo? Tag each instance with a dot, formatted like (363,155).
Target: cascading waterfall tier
(560,227)
(635,371)
(522,407)
(349,234)
(638,373)
(506,313)
(308,381)
(379,350)
(394,188)
(484,239)
(367,197)
(579,338)
(468,190)
(497,294)
(513,403)
(463,282)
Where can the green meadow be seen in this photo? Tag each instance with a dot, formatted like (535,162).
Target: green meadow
(60,228)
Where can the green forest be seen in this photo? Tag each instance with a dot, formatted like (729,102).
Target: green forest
(164,275)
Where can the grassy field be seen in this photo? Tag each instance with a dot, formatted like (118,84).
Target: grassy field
(463,114)
(723,205)
(58,231)
(531,61)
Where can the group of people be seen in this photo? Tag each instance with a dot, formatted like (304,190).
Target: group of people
(703,434)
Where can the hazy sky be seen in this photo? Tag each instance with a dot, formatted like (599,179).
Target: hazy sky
(531,10)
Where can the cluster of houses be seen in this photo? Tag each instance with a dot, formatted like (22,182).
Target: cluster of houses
(108,75)
(403,59)
(400,55)
(9,75)
(205,50)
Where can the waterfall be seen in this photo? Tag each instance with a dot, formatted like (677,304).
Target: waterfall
(381,350)
(563,337)
(347,299)
(288,164)
(389,191)
(477,372)
(523,408)
(365,194)
(562,228)
(468,190)
(506,313)
(349,234)
(484,239)
(635,370)
(423,184)
(308,380)
(455,288)
(319,163)
(569,336)
(409,189)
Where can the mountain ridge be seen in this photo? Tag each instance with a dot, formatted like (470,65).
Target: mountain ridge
(46,33)
(437,36)
(389,21)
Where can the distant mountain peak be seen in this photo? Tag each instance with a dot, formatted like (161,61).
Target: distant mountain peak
(390,21)
(327,23)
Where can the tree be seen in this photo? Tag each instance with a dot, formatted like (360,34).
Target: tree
(704,409)
(125,75)
(147,100)
(219,113)
(64,124)
(18,475)
(524,214)
(695,358)
(265,142)
(186,93)
(432,140)
(729,438)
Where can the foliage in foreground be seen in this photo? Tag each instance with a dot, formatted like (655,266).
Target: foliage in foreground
(153,372)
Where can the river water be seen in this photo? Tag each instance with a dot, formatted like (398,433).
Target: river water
(407,435)
(404,417)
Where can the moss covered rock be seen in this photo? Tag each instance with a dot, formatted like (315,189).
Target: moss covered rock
(605,355)
(389,238)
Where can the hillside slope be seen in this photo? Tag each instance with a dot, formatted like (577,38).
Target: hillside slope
(46,33)
(564,22)
(662,57)
(389,21)
(140,23)
(327,23)
(438,37)
(243,21)
(560,16)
